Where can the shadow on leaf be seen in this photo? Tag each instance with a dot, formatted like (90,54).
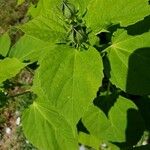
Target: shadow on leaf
(143,104)
(105,102)
(138,78)
(139,27)
(134,130)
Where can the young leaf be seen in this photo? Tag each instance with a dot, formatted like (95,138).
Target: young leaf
(129,60)
(102,13)
(124,123)
(4,44)
(70,79)
(9,67)
(47,129)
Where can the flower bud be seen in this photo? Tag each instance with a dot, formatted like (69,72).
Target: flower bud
(68,10)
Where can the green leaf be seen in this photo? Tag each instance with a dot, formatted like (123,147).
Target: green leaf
(102,13)
(4,44)
(40,33)
(47,129)
(129,60)
(29,48)
(96,143)
(48,28)
(9,68)
(89,140)
(69,79)
(124,123)
(44,6)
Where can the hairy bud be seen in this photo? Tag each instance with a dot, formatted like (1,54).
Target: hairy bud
(68,9)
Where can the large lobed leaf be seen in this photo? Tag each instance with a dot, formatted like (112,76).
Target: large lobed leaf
(70,79)
(47,129)
(102,13)
(130,63)
(40,33)
(124,123)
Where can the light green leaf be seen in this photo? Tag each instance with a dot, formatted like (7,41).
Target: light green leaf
(9,68)
(40,33)
(94,142)
(69,79)
(44,6)
(47,129)
(4,44)
(102,13)
(29,48)
(48,28)
(129,60)
(122,125)
(89,140)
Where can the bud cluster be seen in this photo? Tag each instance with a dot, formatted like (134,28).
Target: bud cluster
(77,32)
